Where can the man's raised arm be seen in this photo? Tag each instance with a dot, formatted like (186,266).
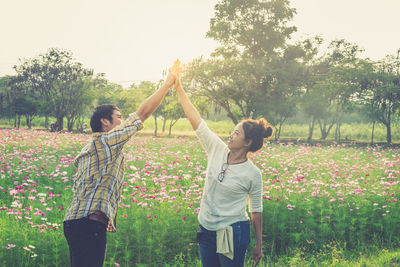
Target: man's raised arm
(152,102)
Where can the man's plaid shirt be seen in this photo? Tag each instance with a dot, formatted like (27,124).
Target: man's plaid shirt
(99,178)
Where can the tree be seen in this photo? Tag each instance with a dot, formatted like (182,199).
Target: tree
(378,91)
(283,85)
(25,106)
(5,96)
(253,35)
(172,111)
(386,95)
(253,28)
(80,97)
(328,92)
(56,77)
(23,101)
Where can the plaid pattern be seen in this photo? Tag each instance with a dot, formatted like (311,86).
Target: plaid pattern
(100,174)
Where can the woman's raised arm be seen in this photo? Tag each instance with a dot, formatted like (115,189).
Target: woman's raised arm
(191,112)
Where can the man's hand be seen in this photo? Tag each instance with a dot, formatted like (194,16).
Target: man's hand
(257,254)
(178,70)
(152,102)
(173,73)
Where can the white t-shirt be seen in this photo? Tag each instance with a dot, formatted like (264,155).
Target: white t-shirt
(224,203)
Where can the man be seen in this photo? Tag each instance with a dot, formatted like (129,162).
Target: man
(99,178)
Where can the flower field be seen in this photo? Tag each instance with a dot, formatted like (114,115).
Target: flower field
(313,196)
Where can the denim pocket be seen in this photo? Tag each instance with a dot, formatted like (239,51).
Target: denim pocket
(241,235)
(96,229)
(206,237)
(67,230)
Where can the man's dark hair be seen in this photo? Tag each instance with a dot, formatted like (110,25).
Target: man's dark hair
(100,112)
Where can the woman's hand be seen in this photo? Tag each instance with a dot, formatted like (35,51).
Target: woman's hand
(152,102)
(257,254)
(173,73)
(178,71)
(257,222)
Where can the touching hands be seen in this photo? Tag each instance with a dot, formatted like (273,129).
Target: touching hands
(173,73)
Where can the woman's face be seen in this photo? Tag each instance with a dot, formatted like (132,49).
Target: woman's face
(237,138)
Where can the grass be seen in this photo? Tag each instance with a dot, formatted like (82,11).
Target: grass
(360,132)
(323,205)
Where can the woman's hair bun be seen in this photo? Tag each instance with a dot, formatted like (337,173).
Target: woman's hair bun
(256,130)
(268,131)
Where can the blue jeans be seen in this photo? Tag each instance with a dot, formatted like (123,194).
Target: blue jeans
(208,246)
(87,242)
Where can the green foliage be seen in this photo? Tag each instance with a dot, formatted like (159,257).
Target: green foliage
(58,80)
(254,73)
(327,217)
(5,95)
(257,28)
(241,77)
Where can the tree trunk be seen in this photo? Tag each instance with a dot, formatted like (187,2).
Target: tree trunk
(278,133)
(324,130)
(15,121)
(281,122)
(170,130)
(155,125)
(79,123)
(233,118)
(70,124)
(372,134)
(322,127)
(163,126)
(46,121)
(311,129)
(389,129)
(19,121)
(172,123)
(28,121)
(276,136)
(336,132)
(279,130)
(225,105)
(388,133)
(60,123)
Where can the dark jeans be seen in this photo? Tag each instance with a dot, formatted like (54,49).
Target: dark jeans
(208,246)
(87,242)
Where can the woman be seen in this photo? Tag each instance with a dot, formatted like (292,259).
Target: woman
(231,179)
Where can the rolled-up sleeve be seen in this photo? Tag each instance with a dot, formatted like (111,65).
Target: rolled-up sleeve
(209,140)
(255,195)
(121,134)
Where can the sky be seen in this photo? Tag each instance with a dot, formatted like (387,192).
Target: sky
(135,40)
